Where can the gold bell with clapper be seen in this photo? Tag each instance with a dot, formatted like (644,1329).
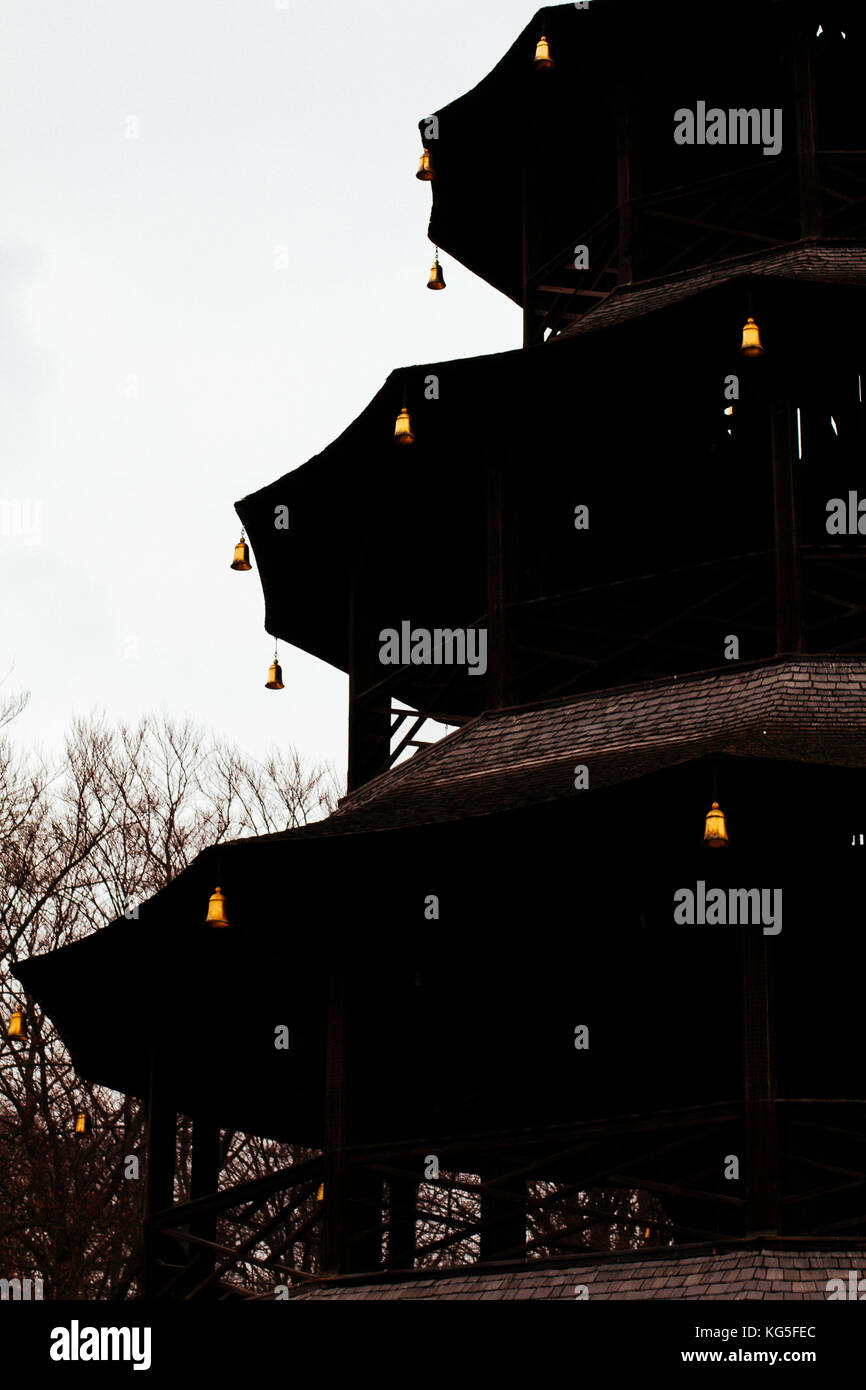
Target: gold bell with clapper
(426,172)
(543,61)
(715,829)
(275,674)
(403,427)
(17,1026)
(216,909)
(437,279)
(751,345)
(241,559)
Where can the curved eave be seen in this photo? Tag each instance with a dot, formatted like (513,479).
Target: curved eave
(199,996)
(412,521)
(298,905)
(365,501)
(556,130)
(476,211)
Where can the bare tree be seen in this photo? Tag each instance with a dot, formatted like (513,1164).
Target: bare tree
(117,817)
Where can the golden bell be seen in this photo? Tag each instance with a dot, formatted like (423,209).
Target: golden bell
(403,428)
(543,60)
(242,556)
(715,830)
(216,910)
(82,1123)
(275,677)
(426,172)
(17,1026)
(436,281)
(751,345)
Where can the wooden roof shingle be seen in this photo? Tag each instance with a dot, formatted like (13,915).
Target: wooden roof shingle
(840,262)
(803,708)
(762,1274)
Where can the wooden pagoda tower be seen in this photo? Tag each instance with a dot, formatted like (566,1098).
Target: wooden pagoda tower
(479,959)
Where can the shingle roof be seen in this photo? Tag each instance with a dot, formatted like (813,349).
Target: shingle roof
(766,1274)
(840,262)
(808,709)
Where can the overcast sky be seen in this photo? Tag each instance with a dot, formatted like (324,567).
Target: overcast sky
(156,365)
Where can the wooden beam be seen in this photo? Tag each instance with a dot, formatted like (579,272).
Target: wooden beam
(408,738)
(334,1145)
(807,141)
(647,636)
(402,1215)
(718,1112)
(159,1250)
(818,1194)
(675,1189)
(762,1164)
(256,1190)
(234,1256)
(526,283)
(735,232)
(363,1199)
(628,174)
(789,624)
(369,728)
(503,1211)
(266,1262)
(496,622)
(204,1179)
(569,289)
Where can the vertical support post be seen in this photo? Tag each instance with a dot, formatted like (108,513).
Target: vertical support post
(807,141)
(352,1216)
(532,88)
(402,1201)
(628,176)
(362,1226)
(369,728)
(204,1181)
(496,626)
(789,626)
(762,1163)
(334,1141)
(503,1223)
(159,1192)
(526,289)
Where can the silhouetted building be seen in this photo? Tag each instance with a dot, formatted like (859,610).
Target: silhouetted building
(605,937)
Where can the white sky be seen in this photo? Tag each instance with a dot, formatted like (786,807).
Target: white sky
(260,125)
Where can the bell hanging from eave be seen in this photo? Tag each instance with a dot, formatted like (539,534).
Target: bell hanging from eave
(715,830)
(17,1027)
(543,61)
(241,560)
(216,909)
(751,344)
(82,1123)
(275,675)
(403,428)
(426,172)
(437,280)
